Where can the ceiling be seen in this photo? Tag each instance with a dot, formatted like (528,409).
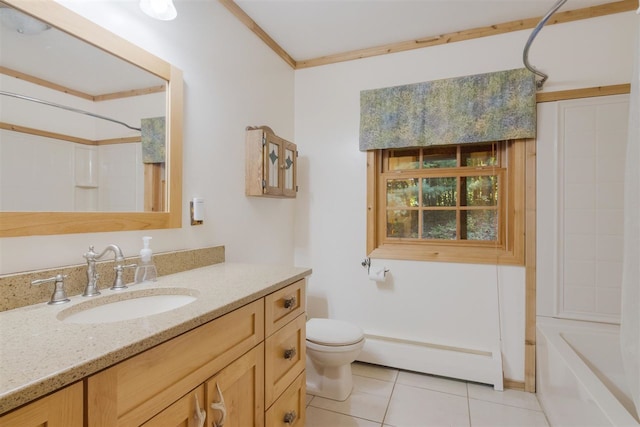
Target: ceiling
(308,29)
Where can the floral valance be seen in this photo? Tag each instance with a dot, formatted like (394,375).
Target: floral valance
(153,140)
(478,108)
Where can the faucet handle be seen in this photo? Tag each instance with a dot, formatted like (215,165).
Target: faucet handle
(118,283)
(59,295)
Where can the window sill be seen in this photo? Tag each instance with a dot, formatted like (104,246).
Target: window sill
(448,253)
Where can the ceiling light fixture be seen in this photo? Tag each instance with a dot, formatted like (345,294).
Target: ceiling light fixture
(163,10)
(18,21)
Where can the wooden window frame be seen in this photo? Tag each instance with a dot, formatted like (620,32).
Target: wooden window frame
(509,250)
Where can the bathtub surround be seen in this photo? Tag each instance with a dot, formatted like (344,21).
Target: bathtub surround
(16,290)
(580,377)
(630,322)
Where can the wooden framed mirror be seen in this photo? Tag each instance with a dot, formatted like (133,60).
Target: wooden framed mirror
(161,208)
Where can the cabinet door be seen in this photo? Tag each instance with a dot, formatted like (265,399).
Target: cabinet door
(182,413)
(273,152)
(63,408)
(235,396)
(288,167)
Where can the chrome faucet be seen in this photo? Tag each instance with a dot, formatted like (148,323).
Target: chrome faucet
(92,275)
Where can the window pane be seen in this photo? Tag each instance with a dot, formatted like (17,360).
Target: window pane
(479,225)
(273,167)
(439,158)
(479,190)
(439,225)
(479,155)
(439,191)
(402,223)
(402,193)
(404,159)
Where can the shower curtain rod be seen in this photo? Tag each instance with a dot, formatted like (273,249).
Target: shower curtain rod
(64,107)
(534,33)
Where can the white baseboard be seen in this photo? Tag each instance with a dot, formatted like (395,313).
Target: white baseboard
(454,362)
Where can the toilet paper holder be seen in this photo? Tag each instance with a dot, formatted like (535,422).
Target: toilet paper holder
(367,263)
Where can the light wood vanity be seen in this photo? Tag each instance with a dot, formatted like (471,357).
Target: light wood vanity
(251,358)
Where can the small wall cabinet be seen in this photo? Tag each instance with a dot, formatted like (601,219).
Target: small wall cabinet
(271,164)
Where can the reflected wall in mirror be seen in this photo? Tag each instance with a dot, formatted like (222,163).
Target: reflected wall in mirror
(90,127)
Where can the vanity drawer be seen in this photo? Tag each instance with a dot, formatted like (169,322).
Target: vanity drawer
(129,392)
(285,358)
(283,306)
(290,409)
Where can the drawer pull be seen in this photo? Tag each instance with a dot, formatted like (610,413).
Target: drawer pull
(290,353)
(220,406)
(290,302)
(290,417)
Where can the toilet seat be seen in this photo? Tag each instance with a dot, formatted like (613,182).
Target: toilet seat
(333,333)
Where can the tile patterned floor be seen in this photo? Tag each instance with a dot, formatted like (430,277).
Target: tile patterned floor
(387,397)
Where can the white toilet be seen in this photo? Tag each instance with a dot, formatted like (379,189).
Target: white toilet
(332,345)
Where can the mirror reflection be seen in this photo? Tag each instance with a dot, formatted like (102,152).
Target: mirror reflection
(80,129)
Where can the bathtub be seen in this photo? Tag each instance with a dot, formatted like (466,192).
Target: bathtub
(579,376)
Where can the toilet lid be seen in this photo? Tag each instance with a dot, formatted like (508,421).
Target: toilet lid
(333,332)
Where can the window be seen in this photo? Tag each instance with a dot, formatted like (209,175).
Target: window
(457,203)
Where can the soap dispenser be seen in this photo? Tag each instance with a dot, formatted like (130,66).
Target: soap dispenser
(146,270)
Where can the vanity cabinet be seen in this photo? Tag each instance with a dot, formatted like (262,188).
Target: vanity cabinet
(271,164)
(246,368)
(64,408)
(135,390)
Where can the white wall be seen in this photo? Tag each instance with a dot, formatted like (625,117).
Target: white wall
(231,80)
(451,304)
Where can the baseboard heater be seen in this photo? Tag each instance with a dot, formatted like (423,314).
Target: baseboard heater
(455,362)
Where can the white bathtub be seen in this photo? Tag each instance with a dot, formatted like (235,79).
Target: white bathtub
(579,378)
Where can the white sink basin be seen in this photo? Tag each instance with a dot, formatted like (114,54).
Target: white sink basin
(131,305)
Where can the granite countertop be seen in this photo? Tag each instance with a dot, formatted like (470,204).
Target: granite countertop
(39,353)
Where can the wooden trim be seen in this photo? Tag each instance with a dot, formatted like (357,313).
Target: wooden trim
(255,28)
(174,123)
(513,385)
(154,188)
(96,98)
(46,134)
(45,83)
(530,269)
(124,140)
(587,92)
(69,138)
(373,170)
(129,93)
(15,224)
(492,30)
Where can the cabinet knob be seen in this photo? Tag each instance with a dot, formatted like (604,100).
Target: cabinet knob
(290,353)
(290,417)
(290,302)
